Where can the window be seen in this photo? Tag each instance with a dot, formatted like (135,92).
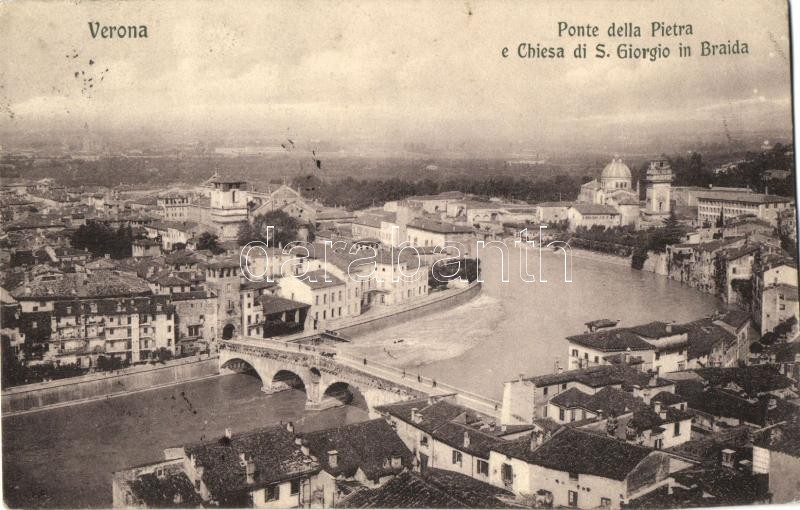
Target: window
(659,443)
(658,355)
(295,487)
(424,440)
(605,502)
(457,457)
(544,391)
(564,386)
(560,414)
(677,428)
(507,474)
(483,467)
(273,493)
(573,476)
(572,498)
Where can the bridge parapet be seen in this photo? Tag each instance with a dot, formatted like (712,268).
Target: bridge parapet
(321,366)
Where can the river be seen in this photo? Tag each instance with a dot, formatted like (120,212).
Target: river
(519,327)
(64,457)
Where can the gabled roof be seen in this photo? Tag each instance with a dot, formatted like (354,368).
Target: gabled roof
(433,415)
(435,489)
(273,449)
(595,209)
(275,304)
(319,279)
(577,451)
(618,339)
(368,446)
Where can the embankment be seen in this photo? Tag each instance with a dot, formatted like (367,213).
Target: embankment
(93,386)
(434,302)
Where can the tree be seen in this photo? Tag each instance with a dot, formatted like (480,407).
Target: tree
(673,231)
(210,242)
(275,228)
(100,240)
(721,220)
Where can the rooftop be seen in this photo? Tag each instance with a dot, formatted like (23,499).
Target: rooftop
(567,451)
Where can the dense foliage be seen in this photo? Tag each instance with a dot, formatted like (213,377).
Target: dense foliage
(285,231)
(101,240)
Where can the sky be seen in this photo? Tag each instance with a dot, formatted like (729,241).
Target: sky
(396,70)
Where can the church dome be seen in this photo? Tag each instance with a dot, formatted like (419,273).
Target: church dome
(616,170)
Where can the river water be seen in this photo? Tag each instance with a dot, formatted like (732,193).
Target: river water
(518,327)
(64,457)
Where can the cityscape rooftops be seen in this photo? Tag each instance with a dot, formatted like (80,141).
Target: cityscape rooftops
(748,198)
(275,304)
(83,285)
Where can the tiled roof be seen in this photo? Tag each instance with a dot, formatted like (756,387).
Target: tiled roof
(433,415)
(610,401)
(152,491)
(275,304)
(439,227)
(619,339)
(435,489)
(577,451)
(753,379)
(320,279)
(783,438)
(368,446)
(273,449)
(455,434)
(595,209)
(750,198)
(83,285)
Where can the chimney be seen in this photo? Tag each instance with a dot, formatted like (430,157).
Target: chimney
(728,457)
(668,327)
(333,458)
(290,427)
(304,449)
(177,499)
(298,441)
(466,439)
(538,439)
(416,417)
(250,470)
(228,433)
(653,380)
(397,460)
(560,369)
(657,407)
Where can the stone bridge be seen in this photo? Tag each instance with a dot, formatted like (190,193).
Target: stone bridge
(331,378)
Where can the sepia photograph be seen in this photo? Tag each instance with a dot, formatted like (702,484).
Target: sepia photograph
(398,254)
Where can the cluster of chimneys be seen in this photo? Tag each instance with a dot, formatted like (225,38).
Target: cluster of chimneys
(538,438)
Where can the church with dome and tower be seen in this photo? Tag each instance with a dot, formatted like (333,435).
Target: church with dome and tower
(614,188)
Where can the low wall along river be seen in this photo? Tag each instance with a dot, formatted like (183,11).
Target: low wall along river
(98,385)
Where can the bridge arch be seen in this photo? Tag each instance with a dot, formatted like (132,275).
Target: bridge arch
(346,393)
(228,331)
(286,379)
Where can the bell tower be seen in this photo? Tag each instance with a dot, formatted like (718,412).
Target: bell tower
(658,188)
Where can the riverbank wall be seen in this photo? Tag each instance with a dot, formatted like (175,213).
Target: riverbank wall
(434,302)
(106,384)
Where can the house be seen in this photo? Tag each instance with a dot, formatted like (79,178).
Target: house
(366,454)
(325,293)
(591,215)
(424,233)
(444,435)
(712,205)
(78,317)
(776,453)
(553,212)
(266,468)
(578,469)
(526,399)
